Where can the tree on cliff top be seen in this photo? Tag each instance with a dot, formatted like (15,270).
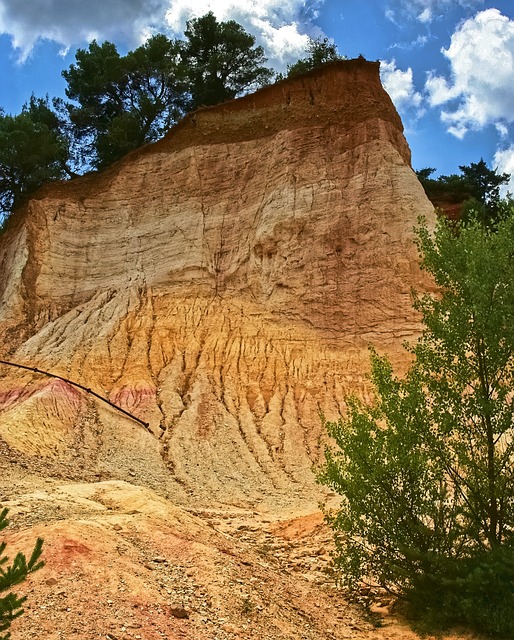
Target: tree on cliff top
(320,51)
(426,472)
(122,102)
(10,576)
(222,61)
(33,151)
(116,103)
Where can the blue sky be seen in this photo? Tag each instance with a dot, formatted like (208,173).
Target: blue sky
(447,64)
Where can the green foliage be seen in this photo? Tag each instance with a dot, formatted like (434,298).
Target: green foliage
(222,61)
(32,151)
(426,472)
(123,102)
(392,488)
(478,187)
(11,575)
(424,174)
(452,188)
(476,591)
(319,52)
(484,183)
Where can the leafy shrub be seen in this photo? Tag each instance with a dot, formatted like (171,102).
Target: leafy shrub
(426,471)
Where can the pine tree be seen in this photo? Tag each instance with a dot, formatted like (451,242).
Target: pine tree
(11,575)
(320,51)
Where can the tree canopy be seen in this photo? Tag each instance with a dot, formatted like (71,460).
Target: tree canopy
(426,472)
(122,102)
(320,51)
(33,151)
(222,61)
(477,188)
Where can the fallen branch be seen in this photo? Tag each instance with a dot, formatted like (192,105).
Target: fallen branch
(79,386)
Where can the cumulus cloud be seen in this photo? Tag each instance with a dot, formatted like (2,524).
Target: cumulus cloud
(480,90)
(400,86)
(70,22)
(504,162)
(281,26)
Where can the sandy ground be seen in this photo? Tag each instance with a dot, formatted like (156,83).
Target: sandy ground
(124,563)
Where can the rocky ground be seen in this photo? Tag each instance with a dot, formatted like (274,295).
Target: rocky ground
(124,563)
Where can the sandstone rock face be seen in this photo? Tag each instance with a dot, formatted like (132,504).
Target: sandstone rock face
(222,284)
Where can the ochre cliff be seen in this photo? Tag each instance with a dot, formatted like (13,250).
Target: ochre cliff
(222,284)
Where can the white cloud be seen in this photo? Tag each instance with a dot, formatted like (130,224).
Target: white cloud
(439,91)
(400,86)
(503,161)
(502,129)
(390,14)
(480,90)
(281,26)
(425,15)
(428,10)
(420,41)
(69,22)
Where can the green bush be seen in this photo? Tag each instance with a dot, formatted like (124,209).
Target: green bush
(426,471)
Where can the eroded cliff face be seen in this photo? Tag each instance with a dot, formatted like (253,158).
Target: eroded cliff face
(222,284)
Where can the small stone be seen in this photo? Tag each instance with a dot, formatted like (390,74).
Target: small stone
(159,559)
(179,612)
(231,628)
